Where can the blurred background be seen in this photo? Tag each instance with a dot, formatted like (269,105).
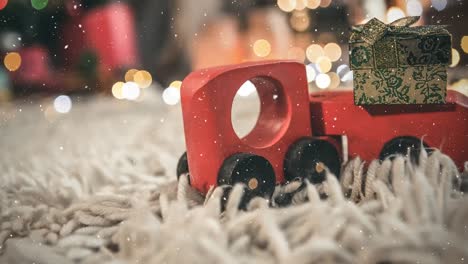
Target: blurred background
(122,49)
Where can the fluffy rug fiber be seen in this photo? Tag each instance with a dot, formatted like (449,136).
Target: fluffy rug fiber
(97,185)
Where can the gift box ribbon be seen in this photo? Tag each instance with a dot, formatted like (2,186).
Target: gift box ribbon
(374,30)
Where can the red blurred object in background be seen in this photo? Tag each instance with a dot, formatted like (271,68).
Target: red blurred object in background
(35,69)
(97,45)
(107,31)
(3,3)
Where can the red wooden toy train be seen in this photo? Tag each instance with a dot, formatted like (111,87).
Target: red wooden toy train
(298,134)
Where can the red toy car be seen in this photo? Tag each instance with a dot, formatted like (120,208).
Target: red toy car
(297,135)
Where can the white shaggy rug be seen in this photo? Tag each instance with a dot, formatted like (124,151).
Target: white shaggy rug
(97,185)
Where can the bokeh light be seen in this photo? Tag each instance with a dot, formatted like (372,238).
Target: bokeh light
(310,71)
(439,5)
(3,3)
(455,58)
(129,75)
(313,52)
(10,41)
(171,95)
(325,3)
(394,13)
(343,72)
(39,4)
(143,79)
(130,91)
(300,4)
(347,77)
(322,81)
(176,84)
(62,104)
(117,90)
(50,114)
(332,51)
(300,21)
(246,89)
(296,53)
(12,61)
(312,4)
(334,80)
(414,8)
(262,48)
(464,44)
(324,64)
(287,5)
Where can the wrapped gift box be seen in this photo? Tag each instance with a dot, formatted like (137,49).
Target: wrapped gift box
(399,64)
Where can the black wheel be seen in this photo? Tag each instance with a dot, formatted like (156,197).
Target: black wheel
(401,145)
(182,165)
(255,172)
(307,159)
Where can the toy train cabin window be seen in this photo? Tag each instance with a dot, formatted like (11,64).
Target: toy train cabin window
(300,135)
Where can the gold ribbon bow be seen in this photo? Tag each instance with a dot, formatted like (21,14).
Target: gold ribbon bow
(375,29)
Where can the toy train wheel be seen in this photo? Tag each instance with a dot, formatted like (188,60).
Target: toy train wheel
(401,145)
(182,165)
(307,159)
(255,172)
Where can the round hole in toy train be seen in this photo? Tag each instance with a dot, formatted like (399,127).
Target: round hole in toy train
(268,112)
(245,109)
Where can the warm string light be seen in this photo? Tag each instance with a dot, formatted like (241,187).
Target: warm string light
(12,61)
(334,80)
(262,48)
(171,95)
(300,20)
(332,51)
(135,80)
(300,5)
(455,58)
(287,5)
(117,90)
(290,5)
(176,84)
(130,74)
(143,79)
(328,80)
(324,64)
(325,3)
(312,4)
(464,44)
(313,52)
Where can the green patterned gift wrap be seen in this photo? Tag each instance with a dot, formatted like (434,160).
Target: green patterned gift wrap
(399,64)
